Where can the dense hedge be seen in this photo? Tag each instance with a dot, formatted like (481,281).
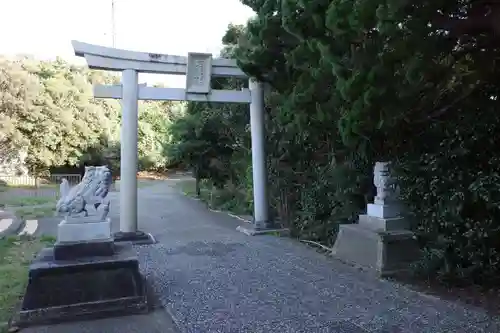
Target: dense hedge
(354,82)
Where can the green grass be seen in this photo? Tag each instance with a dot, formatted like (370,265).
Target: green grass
(225,200)
(22,201)
(141,183)
(188,187)
(16,254)
(4,188)
(29,213)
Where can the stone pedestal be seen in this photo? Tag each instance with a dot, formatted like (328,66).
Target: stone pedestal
(86,275)
(136,237)
(382,241)
(374,223)
(384,253)
(254,229)
(84,232)
(89,239)
(383,211)
(87,288)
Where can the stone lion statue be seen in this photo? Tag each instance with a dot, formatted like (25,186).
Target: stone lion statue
(92,189)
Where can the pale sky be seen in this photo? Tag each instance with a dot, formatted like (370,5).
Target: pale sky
(45,28)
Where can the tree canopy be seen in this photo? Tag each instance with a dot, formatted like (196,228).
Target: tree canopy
(49,113)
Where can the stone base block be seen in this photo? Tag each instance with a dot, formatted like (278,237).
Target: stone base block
(86,231)
(381,224)
(384,253)
(76,250)
(138,237)
(383,211)
(87,288)
(251,230)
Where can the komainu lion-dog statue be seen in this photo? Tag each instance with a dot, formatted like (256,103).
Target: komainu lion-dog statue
(92,190)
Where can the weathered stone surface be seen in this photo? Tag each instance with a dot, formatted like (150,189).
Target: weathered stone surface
(383,224)
(252,230)
(84,288)
(382,252)
(387,189)
(76,250)
(83,232)
(92,190)
(381,242)
(383,211)
(138,237)
(155,322)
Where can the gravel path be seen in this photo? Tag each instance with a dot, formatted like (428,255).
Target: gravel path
(212,278)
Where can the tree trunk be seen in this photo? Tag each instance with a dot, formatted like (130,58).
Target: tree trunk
(198,191)
(197,181)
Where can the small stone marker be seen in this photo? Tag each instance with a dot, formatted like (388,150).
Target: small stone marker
(381,241)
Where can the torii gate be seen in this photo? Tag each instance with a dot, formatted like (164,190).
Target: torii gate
(199,68)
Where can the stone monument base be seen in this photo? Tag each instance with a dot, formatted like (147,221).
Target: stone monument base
(254,229)
(76,250)
(384,252)
(81,231)
(85,287)
(137,237)
(76,239)
(383,224)
(383,211)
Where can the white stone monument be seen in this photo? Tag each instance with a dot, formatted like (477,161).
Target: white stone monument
(382,241)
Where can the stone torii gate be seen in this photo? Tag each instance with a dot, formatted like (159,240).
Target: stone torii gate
(199,68)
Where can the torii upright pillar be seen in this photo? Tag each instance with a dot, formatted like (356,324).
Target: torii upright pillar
(262,223)
(129,162)
(259,165)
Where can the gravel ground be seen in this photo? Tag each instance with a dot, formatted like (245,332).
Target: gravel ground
(212,278)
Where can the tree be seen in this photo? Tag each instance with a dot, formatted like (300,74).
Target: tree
(196,141)
(49,114)
(155,120)
(20,93)
(213,138)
